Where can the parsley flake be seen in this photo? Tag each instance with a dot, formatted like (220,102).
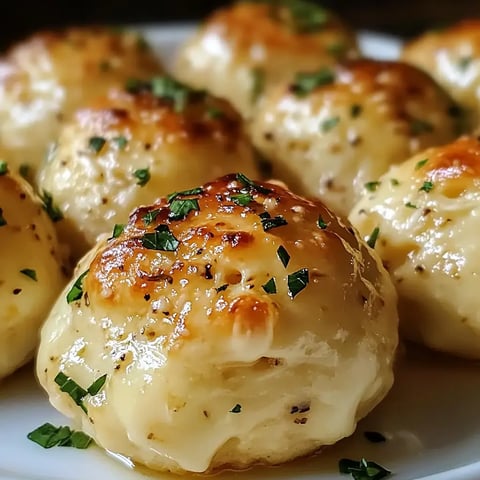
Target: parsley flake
(161,239)
(426,187)
(258,83)
(244,180)
(329,124)
(121,142)
(236,409)
(76,292)
(355,110)
(179,209)
(150,217)
(321,223)
(97,385)
(3,167)
(24,170)
(283,255)
(142,175)
(118,230)
(221,288)
(96,143)
(268,222)
(372,239)
(242,199)
(394,182)
(374,437)
(28,272)
(372,186)
(410,205)
(302,16)
(270,286)
(48,436)
(215,113)
(3,222)
(297,281)
(52,210)
(184,193)
(76,392)
(306,82)
(363,469)
(421,163)
(170,89)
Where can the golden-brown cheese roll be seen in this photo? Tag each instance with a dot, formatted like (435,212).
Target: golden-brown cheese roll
(31,271)
(452,57)
(334,130)
(134,146)
(44,78)
(242,49)
(426,215)
(231,325)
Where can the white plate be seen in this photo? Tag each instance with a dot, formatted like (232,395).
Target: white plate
(430,418)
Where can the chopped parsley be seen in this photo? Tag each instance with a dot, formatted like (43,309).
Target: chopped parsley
(242,199)
(28,272)
(184,193)
(161,239)
(258,83)
(372,186)
(215,113)
(283,255)
(394,182)
(97,385)
(118,230)
(48,436)
(76,292)
(321,223)
(410,205)
(236,409)
(355,110)
(363,469)
(150,217)
(142,175)
(179,209)
(24,170)
(270,286)
(329,124)
(306,82)
(372,239)
(421,163)
(426,187)
(419,126)
(221,288)
(96,143)
(374,437)
(268,222)
(297,281)
(3,167)
(170,89)
(52,210)
(244,180)
(302,16)
(3,222)
(76,392)
(121,142)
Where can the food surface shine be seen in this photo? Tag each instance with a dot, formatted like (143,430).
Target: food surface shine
(242,325)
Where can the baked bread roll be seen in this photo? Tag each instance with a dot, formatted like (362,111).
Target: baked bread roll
(243,49)
(452,57)
(233,324)
(134,146)
(31,274)
(333,130)
(427,214)
(44,78)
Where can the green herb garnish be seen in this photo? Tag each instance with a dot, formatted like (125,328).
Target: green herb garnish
(242,199)
(355,110)
(329,124)
(52,210)
(244,180)
(372,186)
(150,217)
(142,175)
(121,142)
(3,167)
(283,255)
(28,272)
(426,187)
(236,409)
(96,143)
(421,163)
(184,193)
(167,88)
(215,113)
(48,436)
(76,392)
(363,469)
(410,205)
(268,222)
(118,230)
(270,286)
(306,82)
(162,239)
(24,170)
(321,223)
(303,16)
(221,288)
(297,281)
(97,385)
(372,239)
(179,209)
(76,292)
(374,437)
(394,182)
